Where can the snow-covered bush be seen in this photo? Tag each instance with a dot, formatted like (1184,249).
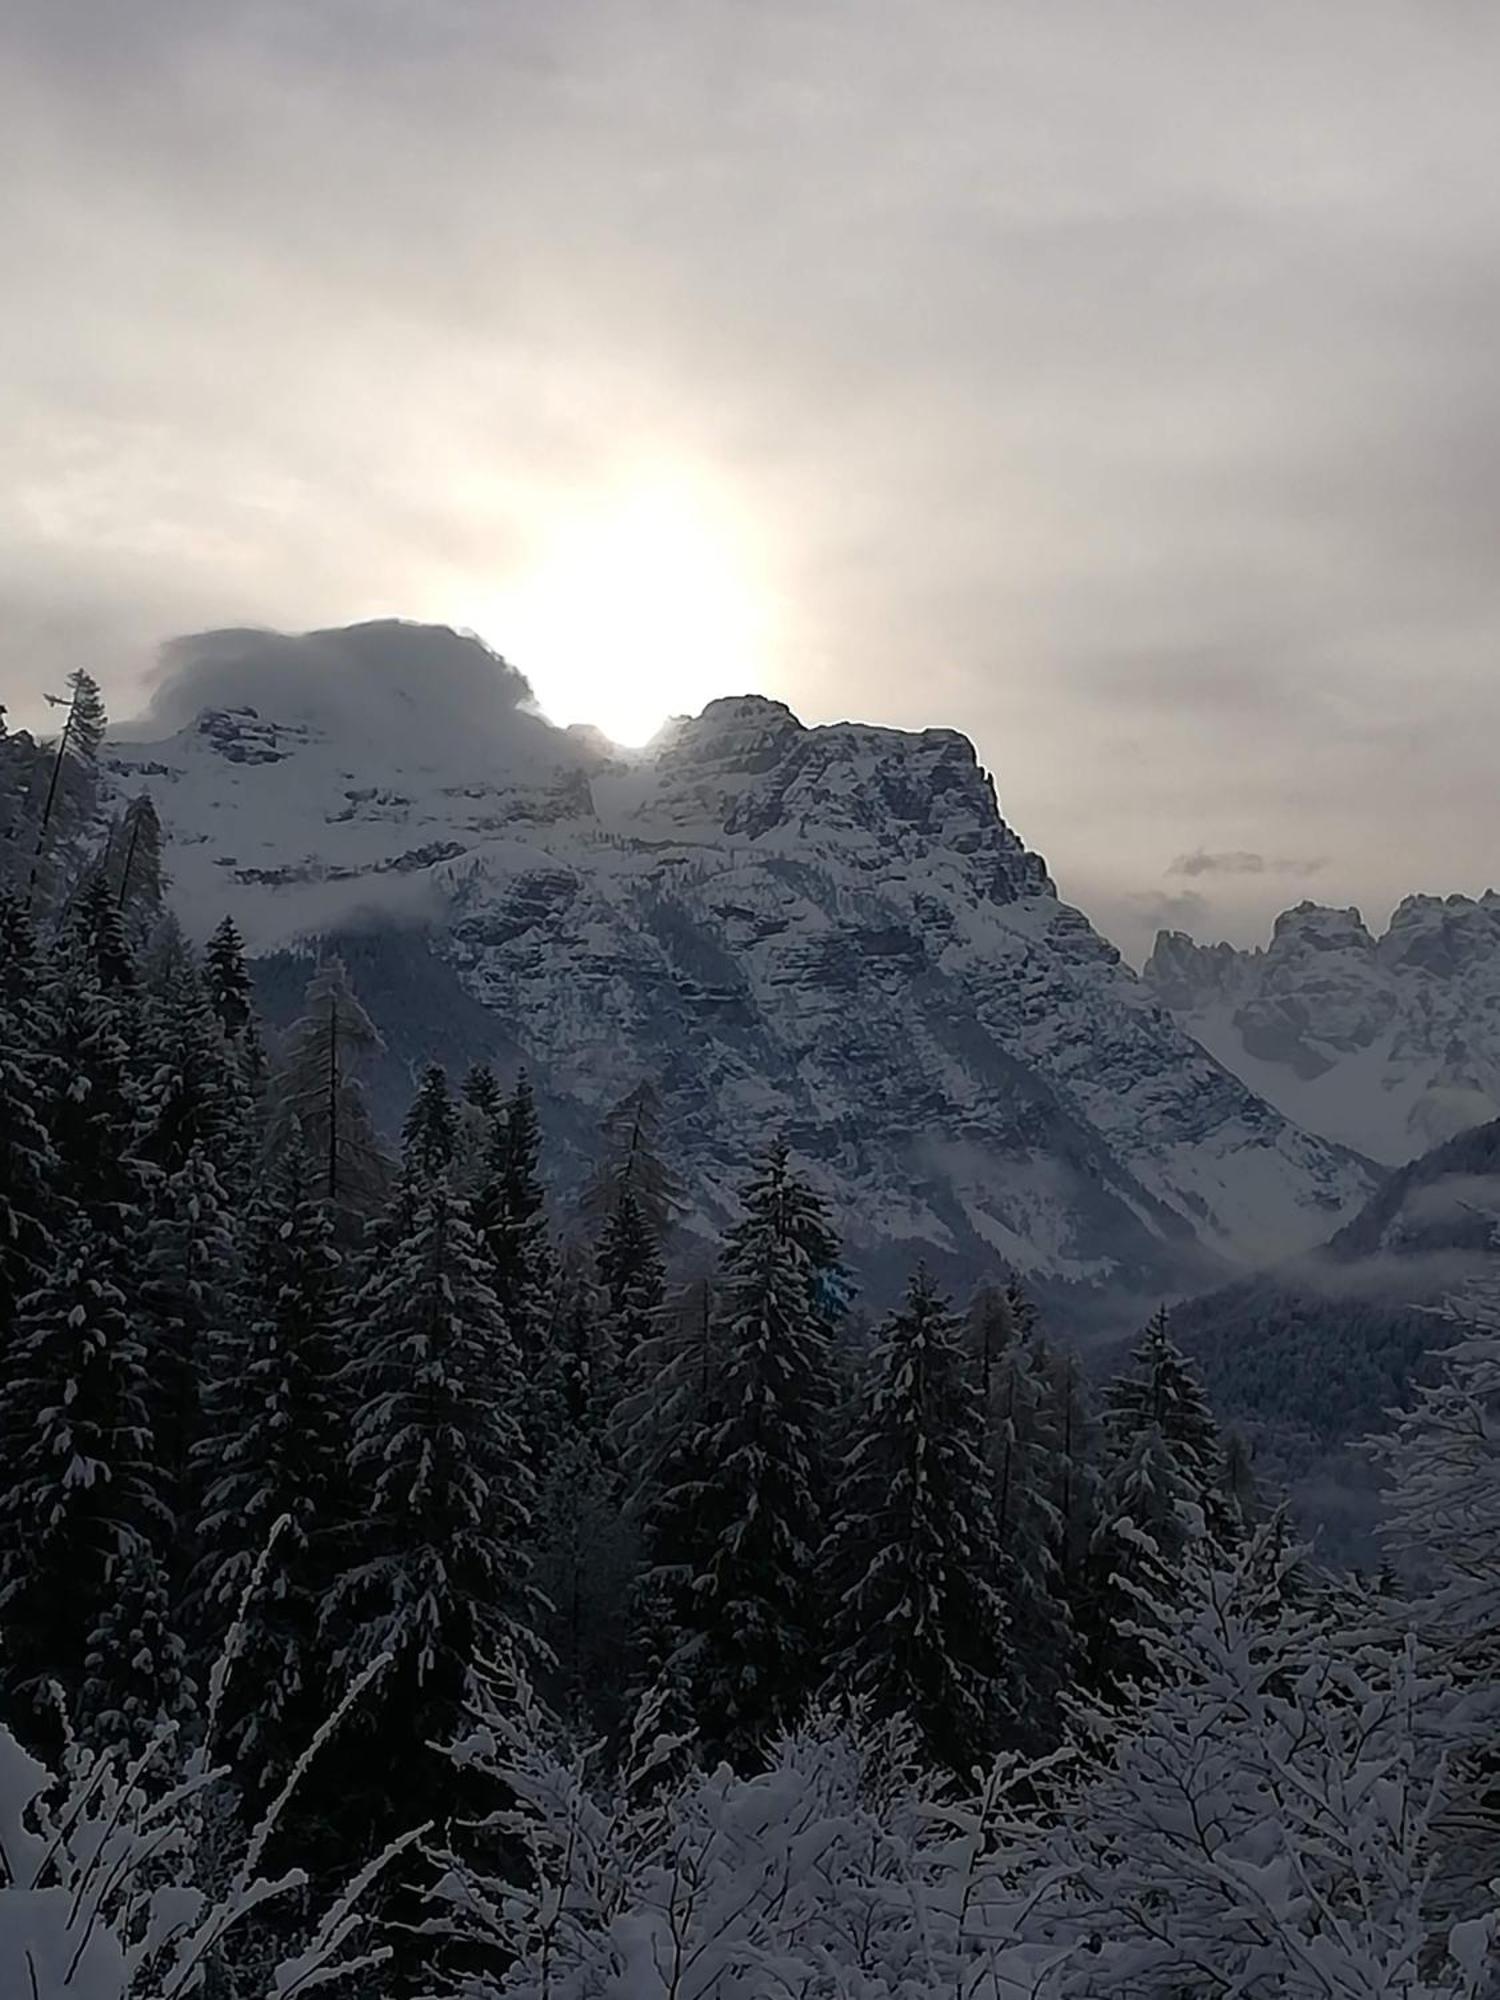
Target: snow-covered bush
(123,1875)
(824,1875)
(1263,1823)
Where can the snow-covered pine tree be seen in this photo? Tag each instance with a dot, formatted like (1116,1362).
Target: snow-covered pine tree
(31,1199)
(508,1213)
(632,1287)
(734,1539)
(436,1568)
(188,1272)
(317,1095)
(481,1088)
(275,1443)
(96,935)
(92,1103)
(430,1133)
(78,1498)
(194,1094)
(916,1555)
(1021,1445)
(753,1485)
(226,979)
(1160,1495)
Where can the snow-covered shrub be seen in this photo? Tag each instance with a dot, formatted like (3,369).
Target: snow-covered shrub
(1263,1823)
(825,1877)
(123,1875)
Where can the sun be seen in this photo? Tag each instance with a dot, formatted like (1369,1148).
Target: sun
(639,608)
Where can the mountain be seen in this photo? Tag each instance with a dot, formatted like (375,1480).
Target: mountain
(1385,1044)
(828,932)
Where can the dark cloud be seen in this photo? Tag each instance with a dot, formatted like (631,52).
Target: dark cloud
(1118,384)
(1242,861)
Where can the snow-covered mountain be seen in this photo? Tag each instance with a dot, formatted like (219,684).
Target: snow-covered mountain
(1386,1044)
(829,932)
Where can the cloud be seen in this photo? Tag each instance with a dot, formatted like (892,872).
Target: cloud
(1119,393)
(1243,862)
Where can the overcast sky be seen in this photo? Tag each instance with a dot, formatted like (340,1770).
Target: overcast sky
(1119,383)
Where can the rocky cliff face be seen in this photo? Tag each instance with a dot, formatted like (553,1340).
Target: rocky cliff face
(830,932)
(1388,1044)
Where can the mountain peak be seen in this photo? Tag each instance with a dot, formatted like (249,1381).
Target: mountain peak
(829,932)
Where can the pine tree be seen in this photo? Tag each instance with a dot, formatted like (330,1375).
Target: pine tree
(508,1214)
(481,1088)
(136,1669)
(632,1284)
(274,1445)
(78,1501)
(735,1537)
(226,980)
(187,1295)
(1020,1447)
(92,1104)
(30,1196)
(430,1135)
(194,1096)
(436,1573)
(317,1095)
(96,935)
(1161,1496)
(921,1621)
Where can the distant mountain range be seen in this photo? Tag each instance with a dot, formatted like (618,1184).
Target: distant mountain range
(825,932)
(1386,1044)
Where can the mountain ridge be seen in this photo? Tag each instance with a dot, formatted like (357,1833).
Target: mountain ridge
(829,931)
(1389,1044)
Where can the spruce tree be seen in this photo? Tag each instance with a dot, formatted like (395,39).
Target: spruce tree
(225,978)
(274,1445)
(78,1502)
(187,1295)
(436,1569)
(1021,1446)
(31,1201)
(916,1554)
(194,1095)
(481,1088)
(1161,1497)
(226,981)
(430,1135)
(97,936)
(509,1216)
(632,1286)
(586,1548)
(737,1532)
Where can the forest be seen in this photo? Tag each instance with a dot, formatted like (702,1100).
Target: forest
(420,1580)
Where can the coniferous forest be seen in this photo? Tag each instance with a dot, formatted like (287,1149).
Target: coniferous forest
(418,1581)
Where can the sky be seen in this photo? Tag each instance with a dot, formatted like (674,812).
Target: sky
(1116,382)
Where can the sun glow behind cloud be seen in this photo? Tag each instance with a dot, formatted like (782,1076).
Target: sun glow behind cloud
(638,608)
